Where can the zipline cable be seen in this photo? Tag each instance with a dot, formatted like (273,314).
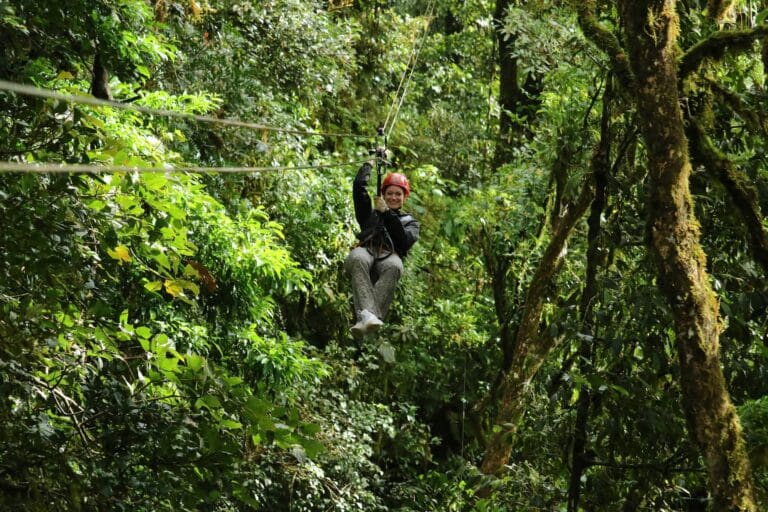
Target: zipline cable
(49,168)
(40,92)
(399,87)
(411,61)
(29,90)
(408,73)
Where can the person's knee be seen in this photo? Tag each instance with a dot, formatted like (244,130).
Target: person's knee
(357,259)
(392,266)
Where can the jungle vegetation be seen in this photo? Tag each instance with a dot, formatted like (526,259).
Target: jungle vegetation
(581,327)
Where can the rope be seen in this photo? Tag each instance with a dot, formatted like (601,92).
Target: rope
(410,67)
(48,168)
(29,90)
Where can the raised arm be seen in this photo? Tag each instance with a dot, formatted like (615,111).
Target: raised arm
(360,195)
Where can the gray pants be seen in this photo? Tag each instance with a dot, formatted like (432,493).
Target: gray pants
(373,282)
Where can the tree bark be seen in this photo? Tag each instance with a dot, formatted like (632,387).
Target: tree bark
(508,87)
(764,43)
(651,33)
(718,9)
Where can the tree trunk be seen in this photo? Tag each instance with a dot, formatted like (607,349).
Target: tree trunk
(100,81)
(515,101)
(651,32)
(764,44)
(738,185)
(508,88)
(531,347)
(718,9)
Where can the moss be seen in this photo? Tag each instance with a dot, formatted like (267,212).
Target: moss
(715,47)
(718,9)
(605,40)
(531,348)
(738,185)
(678,254)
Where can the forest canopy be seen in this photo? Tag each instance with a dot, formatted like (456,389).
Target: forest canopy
(580,327)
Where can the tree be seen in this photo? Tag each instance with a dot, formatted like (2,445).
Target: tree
(652,32)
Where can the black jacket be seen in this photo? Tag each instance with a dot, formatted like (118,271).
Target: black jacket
(393,229)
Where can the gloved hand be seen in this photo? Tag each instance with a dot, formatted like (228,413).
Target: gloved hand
(379,204)
(364,173)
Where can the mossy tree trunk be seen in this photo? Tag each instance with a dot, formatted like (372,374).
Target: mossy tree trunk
(651,34)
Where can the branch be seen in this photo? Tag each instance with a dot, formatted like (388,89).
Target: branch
(70,413)
(753,117)
(716,45)
(738,186)
(605,40)
(650,466)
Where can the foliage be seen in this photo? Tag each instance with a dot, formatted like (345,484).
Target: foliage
(179,341)
(753,416)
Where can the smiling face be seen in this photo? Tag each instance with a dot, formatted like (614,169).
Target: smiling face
(394,196)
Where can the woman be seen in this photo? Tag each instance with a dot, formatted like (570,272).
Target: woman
(386,235)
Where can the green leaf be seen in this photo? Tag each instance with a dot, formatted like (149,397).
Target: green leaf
(310,429)
(230,424)
(142,70)
(387,352)
(241,493)
(97,205)
(208,402)
(761,16)
(173,287)
(168,364)
(154,286)
(194,361)
(154,181)
(255,409)
(160,343)
(621,390)
(312,447)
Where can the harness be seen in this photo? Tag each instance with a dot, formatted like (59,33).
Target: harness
(378,243)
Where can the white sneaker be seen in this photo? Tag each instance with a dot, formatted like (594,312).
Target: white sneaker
(367,322)
(358,330)
(371,321)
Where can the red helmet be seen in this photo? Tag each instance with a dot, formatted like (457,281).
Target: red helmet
(398,180)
